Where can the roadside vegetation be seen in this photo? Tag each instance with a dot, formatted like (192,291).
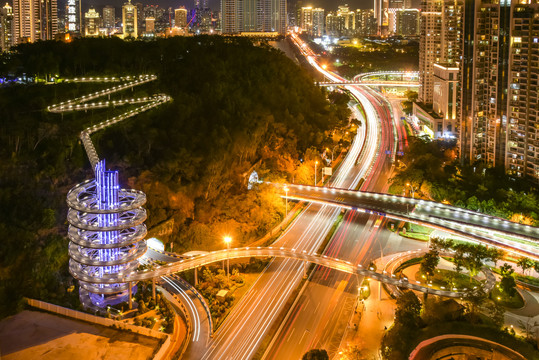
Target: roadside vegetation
(416,321)
(237,108)
(431,167)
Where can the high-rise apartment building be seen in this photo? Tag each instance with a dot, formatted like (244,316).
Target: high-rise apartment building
(485,82)
(430,46)
(92,21)
(239,16)
(109,17)
(318,22)
(408,22)
(180,17)
(312,21)
(6,28)
(231,16)
(34,20)
(48,19)
(440,40)
(341,22)
(129,20)
(306,19)
(348,19)
(365,22)
(522,150)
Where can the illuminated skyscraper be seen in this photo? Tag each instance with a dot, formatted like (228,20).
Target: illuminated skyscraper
(149,25)
(522,149)
(253,15)
(365,22)
(312,21)
(408,22)
(180,17)
(73,16)
(92,20)
(129,20)
(34,20)
(440,40)
(109,17)
(6,28)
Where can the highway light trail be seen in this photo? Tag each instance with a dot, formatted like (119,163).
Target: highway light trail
(187,300)
(249,321)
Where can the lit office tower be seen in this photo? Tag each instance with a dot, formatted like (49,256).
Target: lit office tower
(522,155)
(109,17)
(73,16)
(34,20)
(6,28)
(91,23)
(408,22)
(180,17)
(129,20)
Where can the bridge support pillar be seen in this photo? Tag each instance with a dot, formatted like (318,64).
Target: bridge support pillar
(196,276)
(130,284)
(153,289)
(305,269)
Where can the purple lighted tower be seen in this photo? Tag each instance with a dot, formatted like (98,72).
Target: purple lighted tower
(106,231)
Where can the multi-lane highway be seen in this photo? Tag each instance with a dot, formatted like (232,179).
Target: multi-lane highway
(513,237)
(247,325)
(321,314)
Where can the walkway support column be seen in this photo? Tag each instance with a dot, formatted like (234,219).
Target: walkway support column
(305,269)
(130,295)
(196,276)
(153,288)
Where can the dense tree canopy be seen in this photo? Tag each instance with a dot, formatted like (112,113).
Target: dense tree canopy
(431,167)
(236,108)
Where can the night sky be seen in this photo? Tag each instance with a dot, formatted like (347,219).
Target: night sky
(214,4)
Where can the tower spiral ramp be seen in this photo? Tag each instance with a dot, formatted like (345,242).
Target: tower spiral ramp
(106,233)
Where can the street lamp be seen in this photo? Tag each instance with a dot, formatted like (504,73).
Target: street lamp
(315,165)
(413,190)
(286,200)
(228,239)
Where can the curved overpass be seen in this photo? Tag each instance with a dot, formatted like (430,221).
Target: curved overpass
(490,230)
(381,78)
(322,260)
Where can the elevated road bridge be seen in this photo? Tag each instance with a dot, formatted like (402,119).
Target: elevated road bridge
(489,230)
(247,252)
(381,78)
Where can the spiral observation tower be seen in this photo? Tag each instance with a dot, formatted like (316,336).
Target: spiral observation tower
(106,233)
